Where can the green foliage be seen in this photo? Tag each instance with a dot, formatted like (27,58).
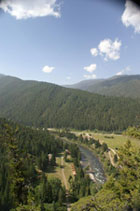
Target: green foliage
(122,191)
(104,147)
(133,131)
(68,135)
(49,191)
(42,104)
(80,184)
(24,152)
(115,158)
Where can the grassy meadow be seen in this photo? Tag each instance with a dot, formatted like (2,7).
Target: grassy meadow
(57,172)
(112,140)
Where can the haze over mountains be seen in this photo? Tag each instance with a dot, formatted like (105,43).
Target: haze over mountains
(125,85)
(43,104)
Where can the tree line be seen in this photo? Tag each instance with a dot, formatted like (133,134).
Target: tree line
(42,104)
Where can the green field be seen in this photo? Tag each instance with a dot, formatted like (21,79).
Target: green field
(112,140)
(116,141)
(57,172)
(68,169)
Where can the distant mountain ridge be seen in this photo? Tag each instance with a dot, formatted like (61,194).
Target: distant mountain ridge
(125,85)
(1,75)
(43,104)
(84,85)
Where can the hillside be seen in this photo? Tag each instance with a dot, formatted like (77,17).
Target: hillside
(120,192)
(43,104)
(24,166)
(35,166)
(126,86)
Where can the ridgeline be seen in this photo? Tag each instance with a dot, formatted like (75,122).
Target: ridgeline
(42,104)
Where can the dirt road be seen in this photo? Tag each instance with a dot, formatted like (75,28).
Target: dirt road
(111,156)
(65,181)
(63,173)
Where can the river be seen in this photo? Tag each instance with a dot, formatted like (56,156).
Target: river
(95,169)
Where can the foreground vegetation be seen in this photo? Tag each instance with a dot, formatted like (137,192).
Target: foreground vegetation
(122,190)
(133,132)
(28,156)
(31,162)
(24,163)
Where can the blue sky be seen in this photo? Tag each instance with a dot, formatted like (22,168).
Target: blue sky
(57,46)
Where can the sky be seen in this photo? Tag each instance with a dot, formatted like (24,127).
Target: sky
(67,41)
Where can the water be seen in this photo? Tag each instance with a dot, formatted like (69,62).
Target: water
(95,170)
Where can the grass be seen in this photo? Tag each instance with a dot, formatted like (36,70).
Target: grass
(57,172)
(116,141)
(112,140)
(67,170)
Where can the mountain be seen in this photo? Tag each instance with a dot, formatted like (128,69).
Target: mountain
(42,104)
(126,86)
(1,75)
(84,85)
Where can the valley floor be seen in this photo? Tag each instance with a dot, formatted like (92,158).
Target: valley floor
(113,140)
(62,171)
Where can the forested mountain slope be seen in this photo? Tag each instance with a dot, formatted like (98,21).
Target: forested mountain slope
(47,105)
(126,86)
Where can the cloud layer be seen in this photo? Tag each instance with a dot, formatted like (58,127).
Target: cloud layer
(47,69)
(90,68)
(23,9)
(131,16)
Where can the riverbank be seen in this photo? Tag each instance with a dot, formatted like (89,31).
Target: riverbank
(96,169)
(92,165)
(92,145)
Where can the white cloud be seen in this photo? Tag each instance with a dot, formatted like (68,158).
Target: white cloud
(110,49)
(90,68)
(131,16)
(23,9)
(94,51)
(93,76)
(47,69)
(124,71)
(119,73)
(68,77)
